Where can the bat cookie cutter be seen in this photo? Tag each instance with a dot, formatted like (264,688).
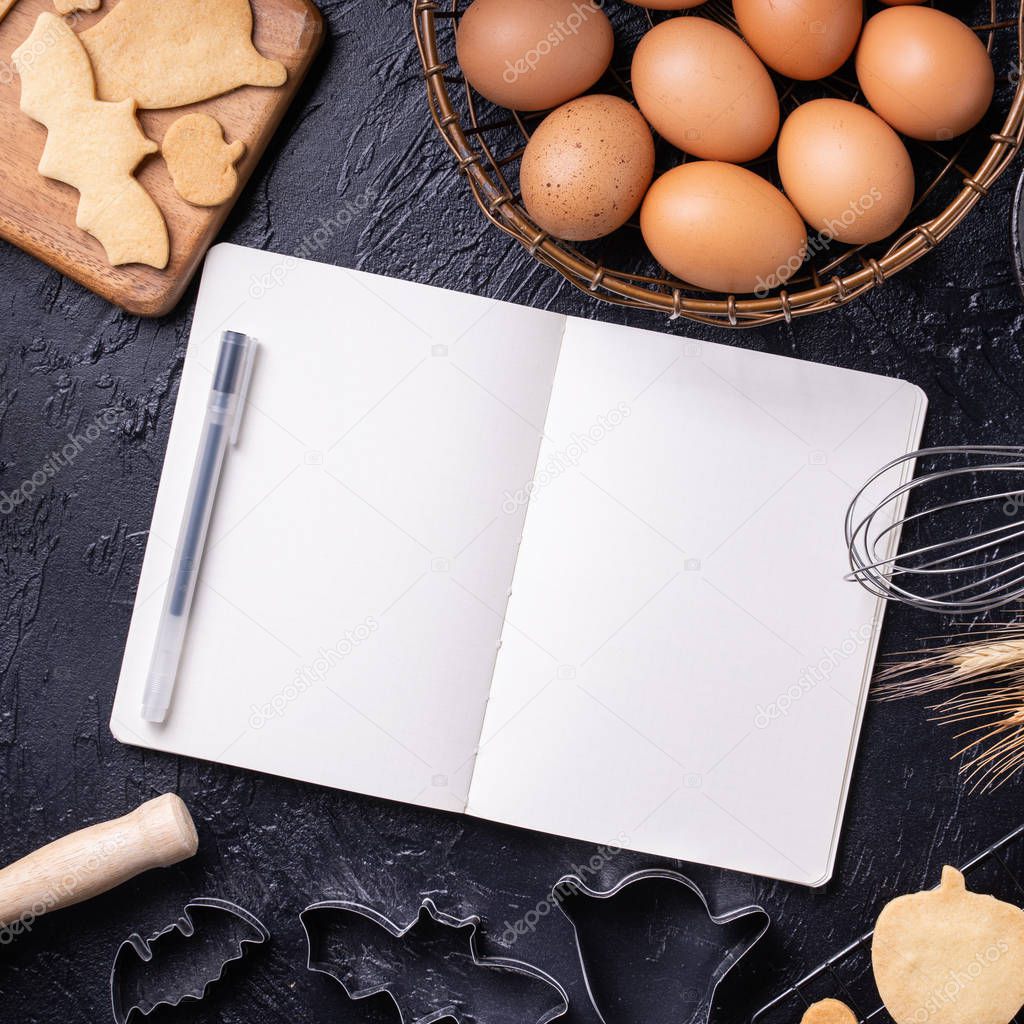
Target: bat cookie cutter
(415,997)
(217,930)
(713,961)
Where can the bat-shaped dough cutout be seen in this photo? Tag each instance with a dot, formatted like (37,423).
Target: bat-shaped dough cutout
(167,53)
(431,967)
(652,941)
(90,145)
(183,960)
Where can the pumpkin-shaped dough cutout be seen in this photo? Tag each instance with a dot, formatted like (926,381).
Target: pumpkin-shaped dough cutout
(201,163)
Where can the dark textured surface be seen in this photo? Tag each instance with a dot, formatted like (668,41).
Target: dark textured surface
(70,560)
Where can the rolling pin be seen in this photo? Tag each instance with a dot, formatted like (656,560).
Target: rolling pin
(94,860)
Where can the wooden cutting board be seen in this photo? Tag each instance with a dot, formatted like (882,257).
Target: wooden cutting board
(38,214)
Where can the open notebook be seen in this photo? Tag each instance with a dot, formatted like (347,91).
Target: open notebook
(547,571)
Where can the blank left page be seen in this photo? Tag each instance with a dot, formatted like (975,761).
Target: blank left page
(350,601)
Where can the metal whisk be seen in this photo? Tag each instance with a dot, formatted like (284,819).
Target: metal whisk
(962,519)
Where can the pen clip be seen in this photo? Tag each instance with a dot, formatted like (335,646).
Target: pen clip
(243,391)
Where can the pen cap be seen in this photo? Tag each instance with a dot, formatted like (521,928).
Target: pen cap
(232,363)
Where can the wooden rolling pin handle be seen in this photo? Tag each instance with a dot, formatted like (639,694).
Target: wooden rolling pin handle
(87,863)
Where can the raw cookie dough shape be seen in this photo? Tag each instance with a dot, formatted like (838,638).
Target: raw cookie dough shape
(72,6)
(950,956)
(90,145)
(828,1011)
(167,53)
(201,163)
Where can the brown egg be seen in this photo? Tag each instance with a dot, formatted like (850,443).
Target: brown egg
(804,39)
(587,167)
(534,54)
(704,90)
(925,72)
(846,171)
(723,228)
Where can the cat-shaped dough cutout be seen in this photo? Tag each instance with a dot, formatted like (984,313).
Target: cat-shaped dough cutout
(90,145)
(168,53)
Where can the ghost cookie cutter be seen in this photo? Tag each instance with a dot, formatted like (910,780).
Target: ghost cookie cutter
(571,886)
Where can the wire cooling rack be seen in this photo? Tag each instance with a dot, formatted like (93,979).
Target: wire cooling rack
(847,976)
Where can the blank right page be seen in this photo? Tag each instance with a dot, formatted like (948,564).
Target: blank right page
(683,669)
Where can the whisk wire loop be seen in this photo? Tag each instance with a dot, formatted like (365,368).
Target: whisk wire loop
(979,568)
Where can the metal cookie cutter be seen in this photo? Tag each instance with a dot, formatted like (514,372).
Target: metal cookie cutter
(181,962)
(411,982)
(707,959)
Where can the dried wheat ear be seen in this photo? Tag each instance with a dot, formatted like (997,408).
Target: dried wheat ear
(987,671)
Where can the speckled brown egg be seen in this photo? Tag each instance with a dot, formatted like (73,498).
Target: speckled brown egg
(723,228)
(534,54)
(804,39)
(846,171)
(704,89)
(925,72)
(587,167)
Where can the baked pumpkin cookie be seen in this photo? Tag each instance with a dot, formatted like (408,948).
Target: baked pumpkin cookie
(950,956)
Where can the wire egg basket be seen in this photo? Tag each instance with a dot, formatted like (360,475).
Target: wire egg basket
(487,143)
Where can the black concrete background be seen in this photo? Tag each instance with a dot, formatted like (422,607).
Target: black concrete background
(70,561)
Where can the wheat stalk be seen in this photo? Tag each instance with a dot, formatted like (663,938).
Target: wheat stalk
(988,671)
(993,658)
(998,717)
